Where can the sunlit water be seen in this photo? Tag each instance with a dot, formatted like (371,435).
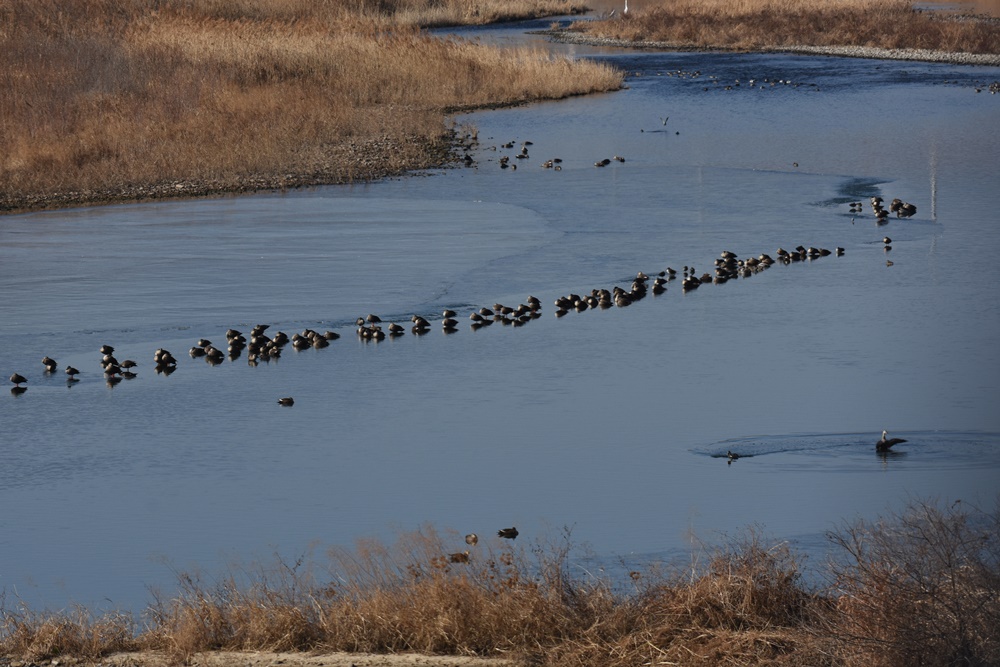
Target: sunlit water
(614,423)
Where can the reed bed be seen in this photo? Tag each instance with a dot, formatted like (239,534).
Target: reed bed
(922,587)
(164,96)
(764,24)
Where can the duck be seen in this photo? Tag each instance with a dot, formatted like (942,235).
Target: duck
(286,401)
(163,358)
(72,373)
(508,533)
(731,455)
(886,442)
(18,379)
(50,364)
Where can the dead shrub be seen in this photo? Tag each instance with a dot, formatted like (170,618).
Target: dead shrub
(920,588)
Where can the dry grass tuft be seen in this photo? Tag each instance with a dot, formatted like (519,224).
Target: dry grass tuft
(38,636)
(105,96)
(919,588)
(746,606)
(763,24)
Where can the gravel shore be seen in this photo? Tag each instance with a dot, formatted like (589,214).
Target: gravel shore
(352,162)
(992,60)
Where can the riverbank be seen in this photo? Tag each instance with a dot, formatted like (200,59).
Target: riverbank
(880,29)
(874,53)
(745,603)
(350,162)
(140,100)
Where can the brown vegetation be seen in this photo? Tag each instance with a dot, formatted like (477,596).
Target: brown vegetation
(920,588)
(134,98)
(763,24)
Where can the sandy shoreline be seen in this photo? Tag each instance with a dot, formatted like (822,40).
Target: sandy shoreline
(924,55)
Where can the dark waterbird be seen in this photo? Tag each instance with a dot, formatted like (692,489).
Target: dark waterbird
(18,379)
(508,533)
(50,364)
(72,373)
(287,401)
(886,442)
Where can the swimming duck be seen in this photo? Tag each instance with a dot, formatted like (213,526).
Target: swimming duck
(886,442)
(287,401)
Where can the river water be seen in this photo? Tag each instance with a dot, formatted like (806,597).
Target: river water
(614,423)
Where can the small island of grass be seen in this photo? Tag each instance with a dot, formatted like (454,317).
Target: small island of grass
(865,28)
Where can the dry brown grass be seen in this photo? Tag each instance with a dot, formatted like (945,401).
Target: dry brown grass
(111,95)
(762,24)
(919,588)
(34,636)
